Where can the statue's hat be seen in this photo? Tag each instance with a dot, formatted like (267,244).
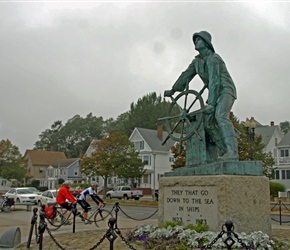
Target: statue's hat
(205,36)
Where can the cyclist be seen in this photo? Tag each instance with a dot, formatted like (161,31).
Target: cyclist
(62,196)
(89,192)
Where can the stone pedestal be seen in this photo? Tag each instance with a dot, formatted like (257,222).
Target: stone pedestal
(214,199)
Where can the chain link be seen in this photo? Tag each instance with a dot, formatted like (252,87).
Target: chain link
(123,238)
(208,246)
(138,219)
(100,241)
(54,240)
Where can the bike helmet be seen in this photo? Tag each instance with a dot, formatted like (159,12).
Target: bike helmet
(66,183)
(94,183)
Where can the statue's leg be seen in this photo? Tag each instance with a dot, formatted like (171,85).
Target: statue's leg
(226,127)
(214,134)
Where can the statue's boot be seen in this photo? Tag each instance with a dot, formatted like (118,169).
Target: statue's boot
(231,143)
(232,149)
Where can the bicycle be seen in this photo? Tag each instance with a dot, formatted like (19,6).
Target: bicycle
(100,215)
(58,219)
(6,203)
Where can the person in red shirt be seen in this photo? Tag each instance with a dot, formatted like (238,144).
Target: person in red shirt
(65,199)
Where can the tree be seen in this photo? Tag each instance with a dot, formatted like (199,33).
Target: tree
(179,155)
(285,126)
(74,137)
(11,161)
(114,155)
(244,148)
(145,113)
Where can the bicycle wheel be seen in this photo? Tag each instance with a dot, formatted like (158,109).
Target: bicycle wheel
(5,207)
(102,217)
(57,221)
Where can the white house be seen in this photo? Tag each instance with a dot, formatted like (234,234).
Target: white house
(282,163)
(5,185)
(157,158)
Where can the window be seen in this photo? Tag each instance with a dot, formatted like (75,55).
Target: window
(139,145)
(76,172)
(41,169)
(146,178)
(284,153)
(147,160)
(287,174)
(283,174)
(171,159)
(277,175)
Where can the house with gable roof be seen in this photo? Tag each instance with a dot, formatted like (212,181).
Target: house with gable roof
(282,163)
(66,169)
(271,136)
(36,163)
(156,157)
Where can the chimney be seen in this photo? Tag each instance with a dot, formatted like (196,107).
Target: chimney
(272,124)
(160,132)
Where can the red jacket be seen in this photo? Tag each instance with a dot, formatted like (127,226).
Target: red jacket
(64,194)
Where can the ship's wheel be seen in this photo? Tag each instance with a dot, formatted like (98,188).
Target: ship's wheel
(182,121)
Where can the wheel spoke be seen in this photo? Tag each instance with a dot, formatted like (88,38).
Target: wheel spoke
(193,129)
(168,117)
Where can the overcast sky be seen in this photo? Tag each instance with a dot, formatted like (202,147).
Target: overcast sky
(59,59)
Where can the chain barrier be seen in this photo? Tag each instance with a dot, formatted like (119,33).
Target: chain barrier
(53,239)
(111,234)
(229,241)
(138,219)
(280,204)
(117,230)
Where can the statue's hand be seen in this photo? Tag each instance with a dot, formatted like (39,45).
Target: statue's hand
(169,93)
(209,109)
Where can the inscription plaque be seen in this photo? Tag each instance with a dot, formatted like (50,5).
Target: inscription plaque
(191,204)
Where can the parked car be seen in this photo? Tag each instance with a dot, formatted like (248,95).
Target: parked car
(34,190)
(125,192)
(47,196)
(22,195)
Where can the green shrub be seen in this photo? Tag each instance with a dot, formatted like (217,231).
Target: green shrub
(276,187)
(166,224)
(199,227)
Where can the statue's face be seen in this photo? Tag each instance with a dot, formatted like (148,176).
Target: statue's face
(200,43)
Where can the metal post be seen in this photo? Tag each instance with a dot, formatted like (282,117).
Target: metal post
(280,212)
(74,211)
(250,129)
(154,157)
(41,228)
(33,221)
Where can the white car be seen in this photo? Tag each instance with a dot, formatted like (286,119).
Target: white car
(22,195)
(47,196)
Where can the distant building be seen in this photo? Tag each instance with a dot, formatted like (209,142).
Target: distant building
(282,163)
(66,169)
(36,163)
(157,158)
